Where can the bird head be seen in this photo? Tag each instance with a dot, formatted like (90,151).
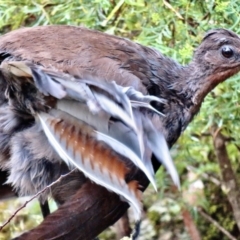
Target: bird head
(215,60)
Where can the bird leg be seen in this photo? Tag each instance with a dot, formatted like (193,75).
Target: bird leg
(45,209)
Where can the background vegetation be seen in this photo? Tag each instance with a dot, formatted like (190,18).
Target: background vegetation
(205,206)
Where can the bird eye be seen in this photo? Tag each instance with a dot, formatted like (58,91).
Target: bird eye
(227,51)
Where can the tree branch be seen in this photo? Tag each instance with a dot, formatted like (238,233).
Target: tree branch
(190,225)
(228,176)
(86,214)
(33,197)
(91,210)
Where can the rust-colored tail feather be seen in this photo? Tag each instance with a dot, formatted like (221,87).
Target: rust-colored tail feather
(78,146)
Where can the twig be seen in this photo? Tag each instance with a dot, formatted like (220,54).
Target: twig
(35,196)
(216,224)
(212,179)
(115,9)
(168,5)
(206,176)
(215,133)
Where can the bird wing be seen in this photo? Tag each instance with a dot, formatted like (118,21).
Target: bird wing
(97,127)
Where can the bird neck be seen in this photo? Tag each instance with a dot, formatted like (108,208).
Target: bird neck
(192,86)
(185,88)
(197,80)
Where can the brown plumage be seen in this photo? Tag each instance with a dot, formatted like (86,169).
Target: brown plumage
(84,54)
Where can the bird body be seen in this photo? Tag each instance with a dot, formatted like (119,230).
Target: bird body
(43,68)
(83,118)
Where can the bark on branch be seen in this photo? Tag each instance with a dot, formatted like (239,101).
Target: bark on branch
(91,210)
(190,225)
(228,176)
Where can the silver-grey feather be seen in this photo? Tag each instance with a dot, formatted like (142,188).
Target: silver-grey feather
(103,110)
(33,164)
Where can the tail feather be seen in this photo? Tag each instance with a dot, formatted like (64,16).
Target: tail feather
(78,146)
(97,126)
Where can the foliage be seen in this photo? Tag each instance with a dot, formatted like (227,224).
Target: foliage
(22,222)
(175,28)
